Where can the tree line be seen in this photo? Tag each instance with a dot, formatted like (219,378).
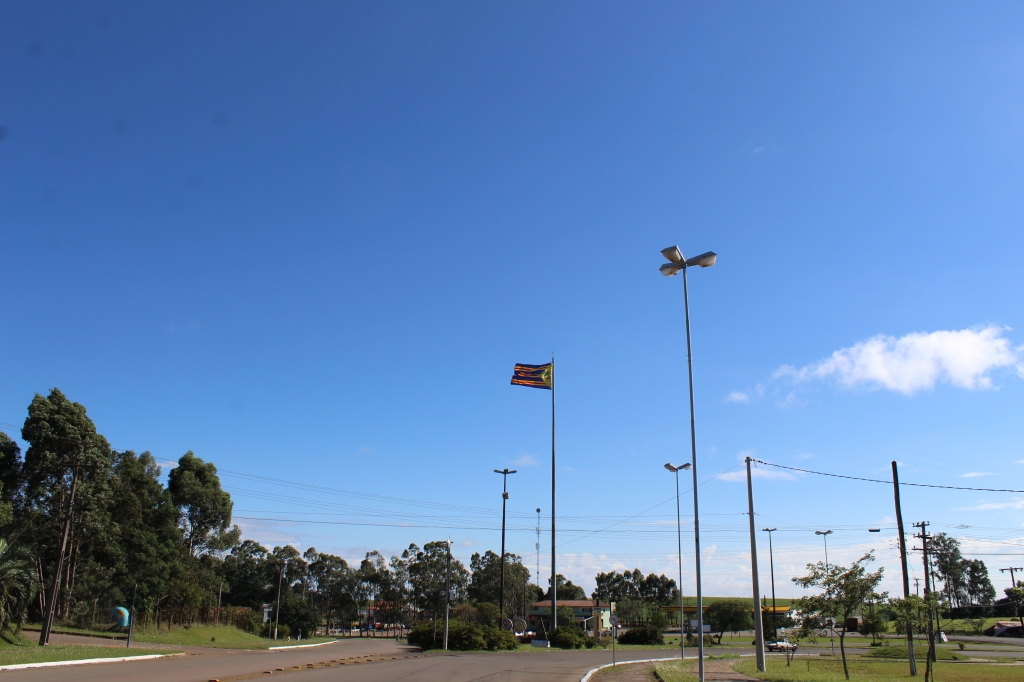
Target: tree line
(174,550)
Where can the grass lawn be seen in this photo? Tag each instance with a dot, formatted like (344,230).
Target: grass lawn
(215,636)
(20,649)
(920,652)
(831,670)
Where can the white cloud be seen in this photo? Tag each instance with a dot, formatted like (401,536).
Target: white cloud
(525,460)
(737,397)
(916,362)
(977,474)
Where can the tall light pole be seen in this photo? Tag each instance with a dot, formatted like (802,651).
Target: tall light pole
(537,546)
(504,498)
(831,627)
(679,538)
(676,264)
(771,562)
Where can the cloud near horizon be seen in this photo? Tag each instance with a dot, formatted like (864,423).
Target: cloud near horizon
(911,363)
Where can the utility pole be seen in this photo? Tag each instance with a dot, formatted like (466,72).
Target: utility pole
(758,625)
(917,586)
(903,563)
(216,616)
(447,590)
(277,609)
(44,631)
(1013,583)
(923,525)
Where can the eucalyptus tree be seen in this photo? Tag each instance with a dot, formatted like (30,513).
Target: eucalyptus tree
(65,456)
(204,508)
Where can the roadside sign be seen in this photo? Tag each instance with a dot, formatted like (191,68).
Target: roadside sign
(614,620)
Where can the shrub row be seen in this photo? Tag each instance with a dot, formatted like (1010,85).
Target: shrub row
(462,637)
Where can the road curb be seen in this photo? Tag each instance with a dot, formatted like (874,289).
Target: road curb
(301,646)
(84,661)
(586,678)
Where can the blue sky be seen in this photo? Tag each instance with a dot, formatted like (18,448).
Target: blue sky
(308,241)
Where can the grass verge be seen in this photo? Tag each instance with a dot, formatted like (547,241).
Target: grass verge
(876,671)
(214,636)
(15,649)
(920,652)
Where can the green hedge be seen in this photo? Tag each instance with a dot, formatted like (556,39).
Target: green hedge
(642,634)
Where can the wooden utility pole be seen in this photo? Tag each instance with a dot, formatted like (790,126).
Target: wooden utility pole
(903,562)
(927,592)
(1013,583)
(47,625)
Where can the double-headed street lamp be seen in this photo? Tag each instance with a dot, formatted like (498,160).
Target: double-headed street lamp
(771,561)
(677,263)
(504,498)
(679,537)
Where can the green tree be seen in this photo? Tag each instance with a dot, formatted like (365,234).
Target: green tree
(145,542)
(10,478)
(845,591)
(427,576)
(729,614)
(65,451)
(17,585)
(566,589)
(204,508)
(485,581)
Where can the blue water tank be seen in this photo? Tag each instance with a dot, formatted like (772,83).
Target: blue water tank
(120,614)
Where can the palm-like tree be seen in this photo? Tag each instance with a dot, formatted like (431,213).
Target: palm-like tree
(18,585)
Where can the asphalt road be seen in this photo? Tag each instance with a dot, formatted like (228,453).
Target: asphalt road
(371,660)
(364,661)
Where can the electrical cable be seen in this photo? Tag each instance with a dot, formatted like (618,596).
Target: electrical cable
(876,480)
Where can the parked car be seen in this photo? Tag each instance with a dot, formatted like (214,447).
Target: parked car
(780,645)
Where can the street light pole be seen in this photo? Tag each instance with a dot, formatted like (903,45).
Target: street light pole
(771,562)
(504,498)
(676,264)
(679,541)
(831,627)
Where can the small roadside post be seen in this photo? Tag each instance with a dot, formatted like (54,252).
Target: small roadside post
(615,634)
(131,617)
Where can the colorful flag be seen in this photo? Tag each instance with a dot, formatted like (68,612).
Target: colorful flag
(535,376)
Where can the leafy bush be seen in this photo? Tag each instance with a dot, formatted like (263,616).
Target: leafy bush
(642,634)
(568,637)
(499,640)
(462,637)
(593,642)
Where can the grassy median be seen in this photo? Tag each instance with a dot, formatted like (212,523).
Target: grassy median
(15,649)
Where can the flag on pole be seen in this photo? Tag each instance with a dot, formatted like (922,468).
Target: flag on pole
(534,376)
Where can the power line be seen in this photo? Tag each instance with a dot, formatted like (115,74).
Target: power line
(876,480)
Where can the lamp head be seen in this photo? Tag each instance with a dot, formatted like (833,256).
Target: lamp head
(820,532)
(705,260)
(674,255)
(769,529)
(681,467)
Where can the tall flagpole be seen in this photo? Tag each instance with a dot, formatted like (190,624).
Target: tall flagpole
(554,573)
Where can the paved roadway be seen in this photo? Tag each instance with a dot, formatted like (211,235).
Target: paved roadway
(369,660)
(366,660)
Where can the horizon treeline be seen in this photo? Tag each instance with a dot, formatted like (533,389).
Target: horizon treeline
(175,549)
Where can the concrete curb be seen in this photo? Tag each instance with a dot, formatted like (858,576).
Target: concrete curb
(301,646)
(586,678)
(84,661)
